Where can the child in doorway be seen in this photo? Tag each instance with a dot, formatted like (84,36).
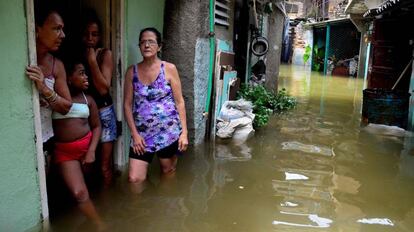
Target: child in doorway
(77,135)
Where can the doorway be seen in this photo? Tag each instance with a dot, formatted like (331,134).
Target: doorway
(111,14)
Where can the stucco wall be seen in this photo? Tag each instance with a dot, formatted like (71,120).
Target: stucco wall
(19,194)
(201,65)
(275,36)
(186,45)
(139,15)
(304,37)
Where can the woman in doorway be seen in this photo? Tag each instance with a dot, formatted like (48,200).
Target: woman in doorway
(99,67)
(154,110)
(49,75)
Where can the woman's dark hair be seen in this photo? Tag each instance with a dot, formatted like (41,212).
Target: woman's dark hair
(89,16)
(42,10)
(70,64)
(153,30)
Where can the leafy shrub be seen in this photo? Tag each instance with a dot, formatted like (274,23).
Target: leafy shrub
(265,102)
(318,58)
(307,54)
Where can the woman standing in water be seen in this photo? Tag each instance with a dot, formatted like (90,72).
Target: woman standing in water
(99,67)
(49,75)
(154,110)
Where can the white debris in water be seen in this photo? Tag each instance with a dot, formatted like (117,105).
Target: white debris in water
(295,176)
(241,187)
(295,145)
(289,204)
(320,222)
(379,129)
(380,221)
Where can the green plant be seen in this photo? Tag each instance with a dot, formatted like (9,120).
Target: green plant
(319,57)
(265,102)
(307,54)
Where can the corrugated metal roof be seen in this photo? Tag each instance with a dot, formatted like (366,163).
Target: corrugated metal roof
(388,6)
(324,23)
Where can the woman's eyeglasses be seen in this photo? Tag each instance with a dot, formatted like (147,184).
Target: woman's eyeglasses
(149,42)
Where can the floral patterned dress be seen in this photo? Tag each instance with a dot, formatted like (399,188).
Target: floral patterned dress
(154,111)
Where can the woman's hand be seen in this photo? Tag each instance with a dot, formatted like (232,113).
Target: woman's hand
(35,74)
(89,157)
(91,55)
(182,142)
(138,144)
(43,102)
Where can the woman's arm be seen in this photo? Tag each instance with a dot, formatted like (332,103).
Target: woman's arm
(64,102)
(59,98)
(139,143)
(95,125)
(101,74)
(175,82)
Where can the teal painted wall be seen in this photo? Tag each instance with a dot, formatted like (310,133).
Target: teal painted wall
(19,194)
(139,15)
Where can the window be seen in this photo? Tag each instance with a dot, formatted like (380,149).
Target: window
(221,13)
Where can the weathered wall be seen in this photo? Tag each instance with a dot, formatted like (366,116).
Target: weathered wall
(275,36)
(201,65)
(186,45)
(304,37)
(19,195)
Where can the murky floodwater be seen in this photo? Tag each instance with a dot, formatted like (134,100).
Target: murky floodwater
(312,169)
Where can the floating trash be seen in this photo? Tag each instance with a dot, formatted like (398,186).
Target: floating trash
(319,221)
(379,221)
(379,129)
(295,176)
(289,204)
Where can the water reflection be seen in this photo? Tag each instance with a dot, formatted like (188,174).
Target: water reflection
(312,169)
(232,150)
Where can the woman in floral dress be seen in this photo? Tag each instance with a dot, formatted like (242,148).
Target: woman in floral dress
(154,110)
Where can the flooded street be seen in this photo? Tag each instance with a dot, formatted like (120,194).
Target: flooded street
(311,169)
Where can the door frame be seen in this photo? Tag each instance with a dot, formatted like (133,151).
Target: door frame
(118,51)
(117,14)
(32,58)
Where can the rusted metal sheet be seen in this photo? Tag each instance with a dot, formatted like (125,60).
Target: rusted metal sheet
(383,71)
